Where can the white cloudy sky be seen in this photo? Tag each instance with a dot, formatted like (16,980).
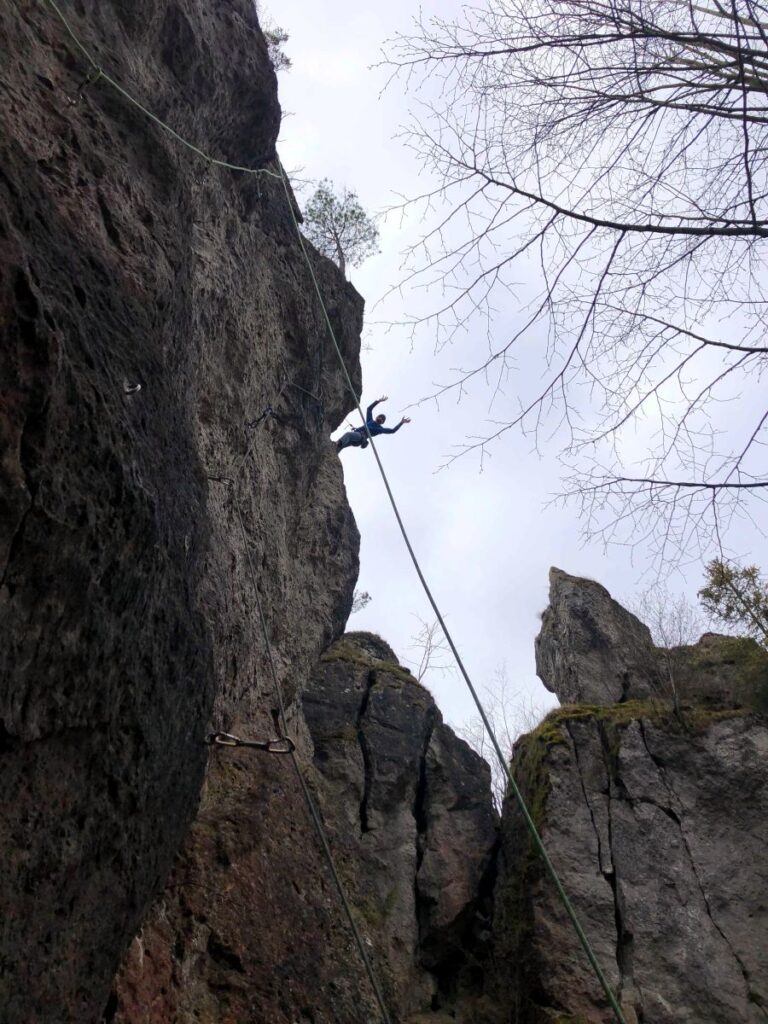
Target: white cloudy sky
(486,540)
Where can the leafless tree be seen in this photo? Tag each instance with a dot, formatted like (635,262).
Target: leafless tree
(510,716)
(674,623)
(434,654)
(611,155)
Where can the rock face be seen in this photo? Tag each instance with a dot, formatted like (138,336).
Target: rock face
(154,306)
(127,625)
(409,806)
(590,649)
(250,927)
(654,812)
(659,836)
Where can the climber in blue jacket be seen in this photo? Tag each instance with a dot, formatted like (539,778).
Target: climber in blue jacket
(358,436)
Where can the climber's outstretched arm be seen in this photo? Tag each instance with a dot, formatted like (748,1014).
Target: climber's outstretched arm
(393,430)
(372,406)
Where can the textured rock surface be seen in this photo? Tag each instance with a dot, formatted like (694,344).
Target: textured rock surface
(126,610)
(127,626)
(410,810)
(659,834)
(590,649)
(718,670)
(250,927)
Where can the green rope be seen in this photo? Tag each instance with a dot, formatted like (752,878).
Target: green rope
(312,807)
(101,73)
(584,941)
(314,813)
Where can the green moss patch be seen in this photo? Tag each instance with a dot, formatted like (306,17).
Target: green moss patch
(348,651)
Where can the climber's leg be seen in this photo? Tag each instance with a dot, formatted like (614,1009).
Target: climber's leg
(351,440)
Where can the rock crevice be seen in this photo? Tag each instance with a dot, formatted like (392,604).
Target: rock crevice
(647,807)
(365,752)
(677,817)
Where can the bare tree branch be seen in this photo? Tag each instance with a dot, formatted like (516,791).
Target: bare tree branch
(625,144)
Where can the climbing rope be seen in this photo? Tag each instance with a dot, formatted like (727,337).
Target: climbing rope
(99,74)
(314,813)
(225,739)
(503,763)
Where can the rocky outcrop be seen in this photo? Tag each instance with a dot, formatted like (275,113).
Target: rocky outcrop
(722,671)
(409,807)
(658,833)
(127,625)
(590,649)
(654,813)
(153,308)
(250,927)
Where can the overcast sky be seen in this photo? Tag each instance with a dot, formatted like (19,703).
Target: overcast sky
(486,539)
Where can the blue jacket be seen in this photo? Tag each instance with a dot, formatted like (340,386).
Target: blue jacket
(373,427)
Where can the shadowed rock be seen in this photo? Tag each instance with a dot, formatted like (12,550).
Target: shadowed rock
(425,832)
(126,603)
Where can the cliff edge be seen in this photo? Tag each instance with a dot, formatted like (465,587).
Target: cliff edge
(152,307)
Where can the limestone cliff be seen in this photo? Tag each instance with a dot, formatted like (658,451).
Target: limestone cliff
(153,308)
(409,809)
(654,812)
(127,624)
(250,928)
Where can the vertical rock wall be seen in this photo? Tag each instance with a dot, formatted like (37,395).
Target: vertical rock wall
(126,609)
(659,834)
(250,927)
(409,808)
(654,812)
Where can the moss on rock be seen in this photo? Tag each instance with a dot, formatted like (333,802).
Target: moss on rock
(358,652)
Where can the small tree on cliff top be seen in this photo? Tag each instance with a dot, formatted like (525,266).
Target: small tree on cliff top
(738,597)
(339,227)
(275,38)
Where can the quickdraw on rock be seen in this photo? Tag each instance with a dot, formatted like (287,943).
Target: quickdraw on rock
(93,76)
(281,745)
(269,411)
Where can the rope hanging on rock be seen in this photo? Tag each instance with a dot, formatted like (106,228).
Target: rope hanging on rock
(97,73)
(226,739)
(503,763)
(313,811)
(583,940)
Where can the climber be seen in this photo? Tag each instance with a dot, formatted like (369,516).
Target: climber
(358,436)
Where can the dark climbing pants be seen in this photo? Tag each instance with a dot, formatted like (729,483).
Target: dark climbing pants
(352,440)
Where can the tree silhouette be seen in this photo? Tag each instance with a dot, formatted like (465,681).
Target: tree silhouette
(613,156)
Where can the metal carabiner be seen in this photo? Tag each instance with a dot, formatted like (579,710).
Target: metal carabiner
(223,739)
(280,745)
(91,78)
